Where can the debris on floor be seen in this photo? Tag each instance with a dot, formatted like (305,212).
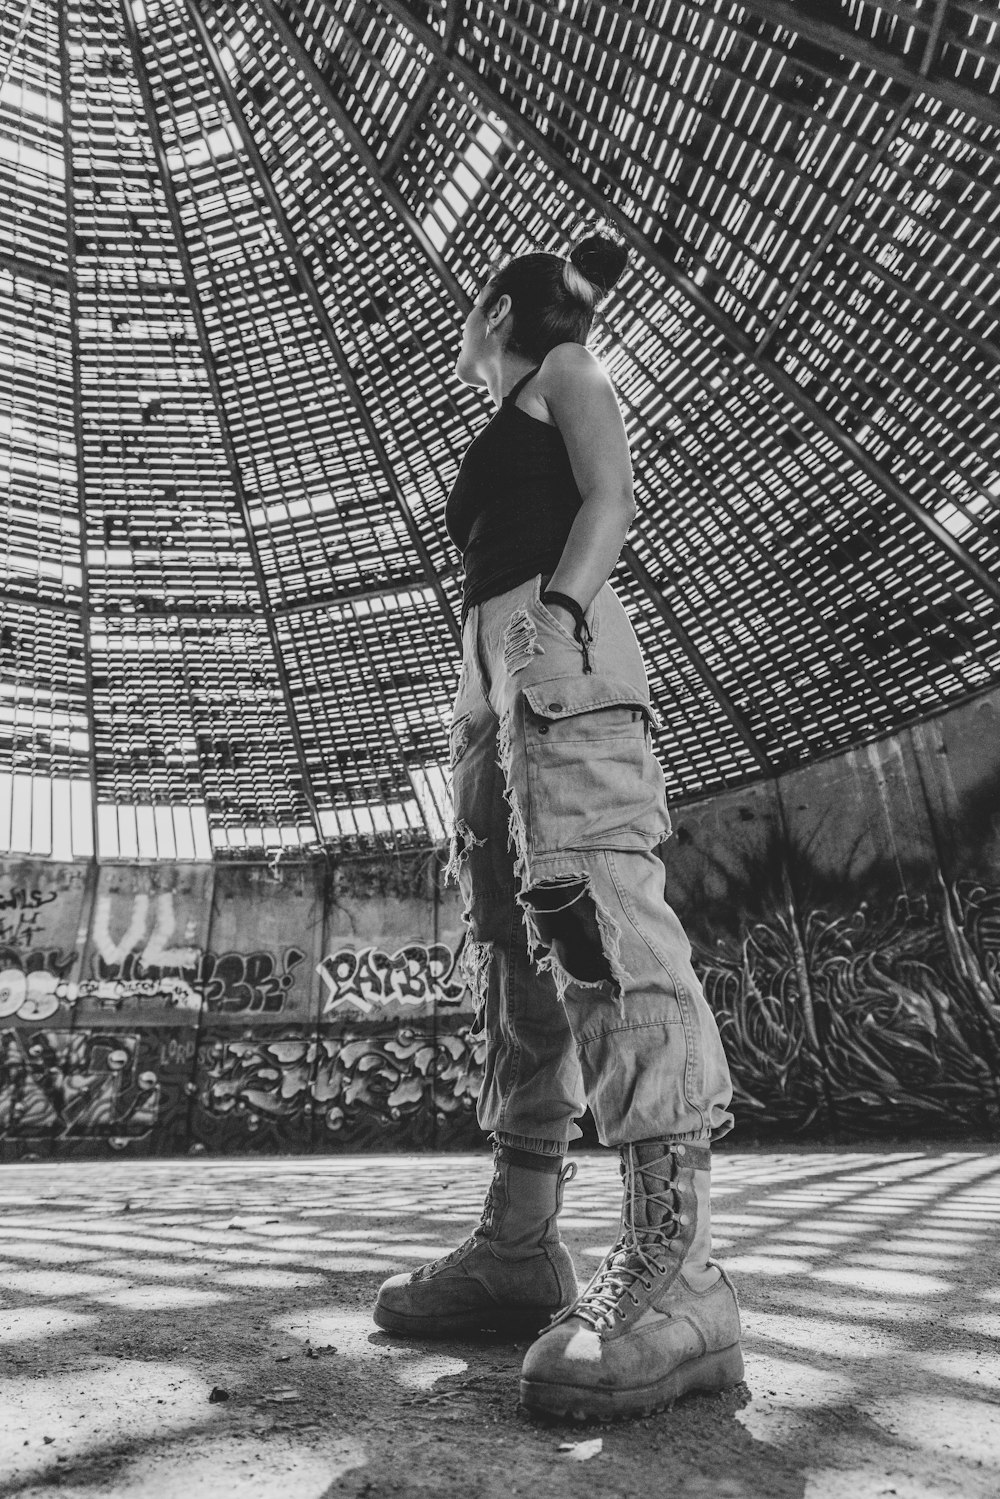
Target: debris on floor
(578,1452)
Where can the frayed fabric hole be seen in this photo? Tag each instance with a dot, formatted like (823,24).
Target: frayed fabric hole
(505,744)
(463,841)
(520,642)
(576,889)
(474,965)
(559,895)
(517,835)
(459,739)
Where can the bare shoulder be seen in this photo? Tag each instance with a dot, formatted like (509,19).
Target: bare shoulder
(571,364)
(574,386)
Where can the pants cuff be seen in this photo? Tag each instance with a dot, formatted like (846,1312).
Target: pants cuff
(526,1142)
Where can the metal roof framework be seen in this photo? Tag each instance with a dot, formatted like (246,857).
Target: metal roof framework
(237,241)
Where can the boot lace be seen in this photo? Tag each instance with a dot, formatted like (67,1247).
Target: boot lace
(485,1223)
(639,1254)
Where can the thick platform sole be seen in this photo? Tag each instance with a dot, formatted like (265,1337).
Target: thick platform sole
(710,1371)
(515,1322)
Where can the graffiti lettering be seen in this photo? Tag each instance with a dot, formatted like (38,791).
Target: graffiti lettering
(397,1078)
(248,982)
(364,980)
(20,931)
(62,1084)
(23,900)
(266,1080)
(34,989)
(111,994)
(352,1083)
(157,952)
(174,1053)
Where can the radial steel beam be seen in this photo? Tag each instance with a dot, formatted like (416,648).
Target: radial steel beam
(78,430)
(378,171)
(701,666)
(308,283)
(454,11)
(452,31)
(229,447)
(419,103)
(22,27)
(812,260)
(849,44)
(314,603)
(411,119)
(858,186)
(734,335)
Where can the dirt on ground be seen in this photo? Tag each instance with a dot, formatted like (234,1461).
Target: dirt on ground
(202,1328)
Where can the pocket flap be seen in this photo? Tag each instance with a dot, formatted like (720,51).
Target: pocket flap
(563,697)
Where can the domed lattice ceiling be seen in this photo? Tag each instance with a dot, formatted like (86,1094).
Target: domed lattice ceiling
(237,242)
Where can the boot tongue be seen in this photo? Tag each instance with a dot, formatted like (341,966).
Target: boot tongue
(655,1169)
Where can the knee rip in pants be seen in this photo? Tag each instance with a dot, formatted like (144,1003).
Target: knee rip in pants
(579,940)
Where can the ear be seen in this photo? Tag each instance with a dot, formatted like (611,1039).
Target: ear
(499,311)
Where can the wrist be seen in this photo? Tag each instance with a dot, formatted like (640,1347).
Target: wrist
(556,598)
(563,615)
(552,598)
(561,612)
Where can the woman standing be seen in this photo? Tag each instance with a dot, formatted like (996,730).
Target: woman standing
(581,971)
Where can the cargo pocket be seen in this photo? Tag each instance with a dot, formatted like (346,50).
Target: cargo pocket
(592,778)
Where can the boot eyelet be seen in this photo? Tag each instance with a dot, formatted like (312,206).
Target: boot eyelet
(661,1269)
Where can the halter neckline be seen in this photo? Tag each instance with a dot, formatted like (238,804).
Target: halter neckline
(515,390)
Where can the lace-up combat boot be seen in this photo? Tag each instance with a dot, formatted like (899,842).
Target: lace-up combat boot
(511,1275)
(659,1318)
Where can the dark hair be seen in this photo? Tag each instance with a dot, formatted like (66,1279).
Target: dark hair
(554,297)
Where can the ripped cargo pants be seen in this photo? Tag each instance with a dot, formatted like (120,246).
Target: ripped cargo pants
(580,969)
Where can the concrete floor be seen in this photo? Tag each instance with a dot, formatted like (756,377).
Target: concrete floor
(130,1291)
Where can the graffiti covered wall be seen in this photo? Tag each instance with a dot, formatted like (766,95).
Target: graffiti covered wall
(845,921)
(294,1007)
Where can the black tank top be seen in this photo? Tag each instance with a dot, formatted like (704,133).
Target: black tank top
(513,502)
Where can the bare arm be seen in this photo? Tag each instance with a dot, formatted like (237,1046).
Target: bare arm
(582,403)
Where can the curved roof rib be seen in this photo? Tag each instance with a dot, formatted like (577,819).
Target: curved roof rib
(754,350)
(237,241)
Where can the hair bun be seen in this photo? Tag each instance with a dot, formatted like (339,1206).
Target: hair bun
(600,259)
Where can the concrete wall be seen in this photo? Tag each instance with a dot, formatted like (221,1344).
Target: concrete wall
(846,925)
(845,920)
(147,1008)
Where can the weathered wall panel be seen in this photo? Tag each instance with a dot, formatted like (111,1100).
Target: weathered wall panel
(257,1040)
(393,1060)
(146,945)
(845,920)
(846,925)
(266,936)
(44,913)
(728,881)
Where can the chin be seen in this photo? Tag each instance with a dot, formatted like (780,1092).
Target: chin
(467,375)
